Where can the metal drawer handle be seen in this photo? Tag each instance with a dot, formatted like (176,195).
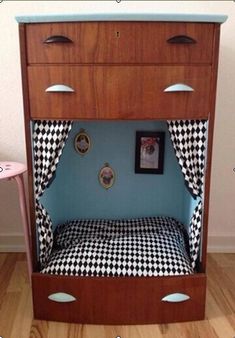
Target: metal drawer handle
(62,297)
(59,88)
(57,39)
(181,39)
(175,298)
(179,87)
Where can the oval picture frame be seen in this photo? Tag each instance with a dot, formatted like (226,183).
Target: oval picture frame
(82,142)
(106,176)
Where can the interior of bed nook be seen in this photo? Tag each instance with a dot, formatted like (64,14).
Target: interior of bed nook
(144,225)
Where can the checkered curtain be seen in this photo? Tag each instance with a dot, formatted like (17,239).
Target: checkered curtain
(49,139)
(189,138)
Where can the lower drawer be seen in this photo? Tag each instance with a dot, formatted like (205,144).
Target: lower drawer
(123,300)
(119,92)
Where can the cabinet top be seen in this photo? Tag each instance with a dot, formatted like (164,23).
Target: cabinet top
(170,17)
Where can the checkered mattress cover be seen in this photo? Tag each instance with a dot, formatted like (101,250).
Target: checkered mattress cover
(153,246)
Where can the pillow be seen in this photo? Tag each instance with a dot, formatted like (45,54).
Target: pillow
(71,233)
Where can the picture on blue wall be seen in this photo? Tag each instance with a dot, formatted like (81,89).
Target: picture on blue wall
(82,142)
(106,176)
(149,152)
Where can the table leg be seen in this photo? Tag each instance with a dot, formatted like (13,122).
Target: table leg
(23,208)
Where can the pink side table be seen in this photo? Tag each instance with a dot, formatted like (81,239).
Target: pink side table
(10,170)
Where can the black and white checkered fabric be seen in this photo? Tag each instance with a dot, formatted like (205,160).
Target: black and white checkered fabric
(195,233)
(189,138)
(153,246)
(49,138)
(45,234)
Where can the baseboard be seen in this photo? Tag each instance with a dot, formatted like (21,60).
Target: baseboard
(12,242)
(221,243)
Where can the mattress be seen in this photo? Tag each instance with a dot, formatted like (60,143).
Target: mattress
(151,246)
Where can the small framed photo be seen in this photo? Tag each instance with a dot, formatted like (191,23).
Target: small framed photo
(82,142)
(106,176)
(149,152)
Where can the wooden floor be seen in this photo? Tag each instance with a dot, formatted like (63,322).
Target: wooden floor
(16,318)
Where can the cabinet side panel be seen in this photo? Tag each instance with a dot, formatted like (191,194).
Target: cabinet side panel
(210,142)
(22,36)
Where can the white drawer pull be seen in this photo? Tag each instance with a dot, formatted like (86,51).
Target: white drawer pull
(59,88)
(175,298)
(179,87)
(62,297)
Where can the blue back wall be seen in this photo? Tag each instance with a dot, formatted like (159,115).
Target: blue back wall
(76,192)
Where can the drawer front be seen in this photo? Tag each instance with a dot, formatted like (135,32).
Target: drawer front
(119,92)
(129,300)
(120,42)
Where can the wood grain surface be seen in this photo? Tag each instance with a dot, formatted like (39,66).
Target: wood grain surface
(120,42)
(122,300)
(16,318)
(119,92)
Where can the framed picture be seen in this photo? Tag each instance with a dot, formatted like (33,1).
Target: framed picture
(106,176)
(149,152)
(82,142)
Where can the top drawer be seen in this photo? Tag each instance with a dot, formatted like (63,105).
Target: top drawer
(119,42)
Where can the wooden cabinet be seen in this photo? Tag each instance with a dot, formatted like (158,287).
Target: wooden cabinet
(119,70)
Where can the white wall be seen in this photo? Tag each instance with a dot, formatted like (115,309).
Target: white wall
(12,143)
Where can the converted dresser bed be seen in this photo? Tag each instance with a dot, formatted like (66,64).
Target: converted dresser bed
(81,69)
